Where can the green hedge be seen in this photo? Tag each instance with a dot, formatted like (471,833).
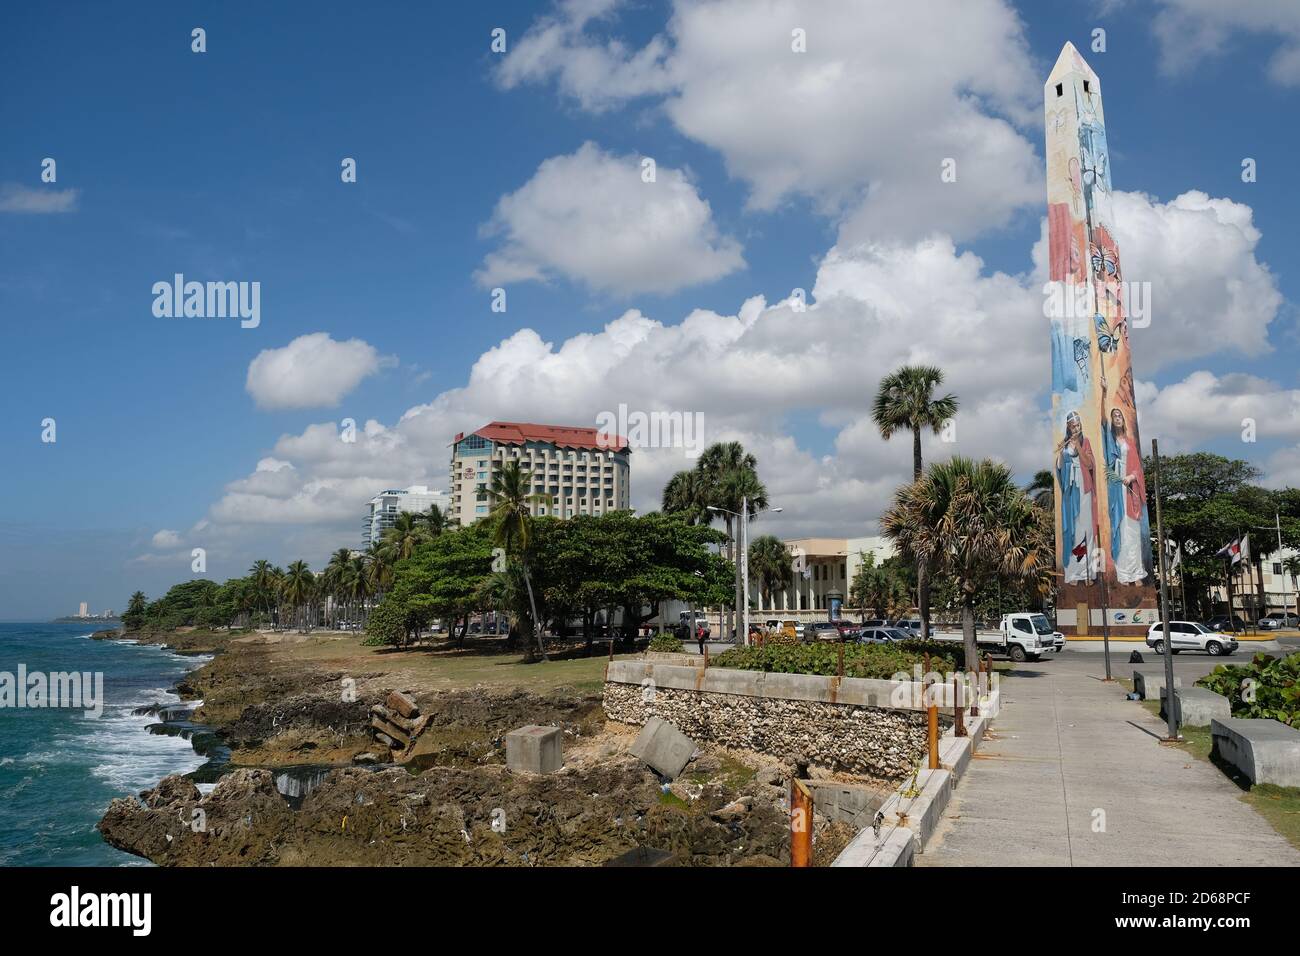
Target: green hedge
(878,661)
(666,642)
(1275,682)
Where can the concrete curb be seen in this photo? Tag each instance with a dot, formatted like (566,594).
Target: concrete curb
(908,819)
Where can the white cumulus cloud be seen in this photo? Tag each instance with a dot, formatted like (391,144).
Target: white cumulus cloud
(312,371)
(592,218)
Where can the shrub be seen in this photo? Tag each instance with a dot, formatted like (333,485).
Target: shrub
(1273,682)
(947,650)
(878,661)
(667,642)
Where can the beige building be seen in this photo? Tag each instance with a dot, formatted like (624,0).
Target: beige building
(582,471)
(821,565)
(1279,588)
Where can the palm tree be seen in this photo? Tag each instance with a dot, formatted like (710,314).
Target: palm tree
(514,525)
(969,520)
(378,572)
(404,536)
(685,495)
(334,576)
(1291,565)
(728,475)
(299,589)
(435,522)
(1042,490)
(769,560)
(263,581)
(905,400)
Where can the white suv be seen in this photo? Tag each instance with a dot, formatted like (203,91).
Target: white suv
(1190,636)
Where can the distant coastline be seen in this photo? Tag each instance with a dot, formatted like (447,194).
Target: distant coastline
(74,619)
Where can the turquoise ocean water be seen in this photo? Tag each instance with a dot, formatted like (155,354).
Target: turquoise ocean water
(59,768)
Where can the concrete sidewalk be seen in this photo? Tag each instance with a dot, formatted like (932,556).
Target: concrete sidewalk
(1066,746)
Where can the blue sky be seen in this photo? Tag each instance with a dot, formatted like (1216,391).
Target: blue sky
(225,166)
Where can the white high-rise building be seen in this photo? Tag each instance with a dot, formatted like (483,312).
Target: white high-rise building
(85,610)
(382,510)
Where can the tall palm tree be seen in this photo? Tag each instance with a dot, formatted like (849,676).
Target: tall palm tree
(770,561)
(1042,490)
(357,588)
(263,581)
(334,576)
(406,534)
(969,520)
(905,400)
(512,496)
(378,571)
(299,589)
(728,476)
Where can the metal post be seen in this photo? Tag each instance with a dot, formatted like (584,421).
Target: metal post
(1286,595)
(958,719)
(801,822)
(1164,595)
(744,568)
(932,721)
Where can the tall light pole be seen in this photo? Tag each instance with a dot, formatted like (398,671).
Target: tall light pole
(1286,595)
(742,560)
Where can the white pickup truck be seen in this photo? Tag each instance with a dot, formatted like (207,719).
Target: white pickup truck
(1025,635)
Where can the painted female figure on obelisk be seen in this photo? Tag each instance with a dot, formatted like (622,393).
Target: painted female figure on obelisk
(1102,528)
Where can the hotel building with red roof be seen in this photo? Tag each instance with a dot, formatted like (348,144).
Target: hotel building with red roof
(584,470)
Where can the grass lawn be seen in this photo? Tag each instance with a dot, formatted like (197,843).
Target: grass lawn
(435,669)
(1280,806)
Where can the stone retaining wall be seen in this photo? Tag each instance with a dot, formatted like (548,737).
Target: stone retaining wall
(841,724)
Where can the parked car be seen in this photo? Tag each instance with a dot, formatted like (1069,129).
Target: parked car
(1278,619)
(1224,622)
(910,624)
(1190,636)
(821,631)
(882,635)
(875,622)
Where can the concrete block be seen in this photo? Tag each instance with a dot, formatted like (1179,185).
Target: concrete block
(1148,683)
(402,704)
(535,749)
(1266,751)
(893,847)
(847,802)
(663,747)
(1195,706)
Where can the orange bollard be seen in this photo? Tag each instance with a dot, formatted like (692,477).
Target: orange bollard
(932,717)
(801,823)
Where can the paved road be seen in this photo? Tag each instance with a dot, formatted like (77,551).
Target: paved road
(1067,746)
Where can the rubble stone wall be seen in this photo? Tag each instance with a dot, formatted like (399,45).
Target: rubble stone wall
(779,720)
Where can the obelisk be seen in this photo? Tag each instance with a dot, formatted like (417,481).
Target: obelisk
(1103,540)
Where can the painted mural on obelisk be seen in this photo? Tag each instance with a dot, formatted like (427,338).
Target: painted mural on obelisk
(1102,527)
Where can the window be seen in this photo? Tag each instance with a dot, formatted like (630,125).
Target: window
(1277,568)
(1060,89)
(1087,86)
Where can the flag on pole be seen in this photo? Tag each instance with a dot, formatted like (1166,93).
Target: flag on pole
(1245,548)
(1174,552)
(1233,550)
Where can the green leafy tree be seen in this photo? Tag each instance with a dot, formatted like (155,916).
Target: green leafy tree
(905,402)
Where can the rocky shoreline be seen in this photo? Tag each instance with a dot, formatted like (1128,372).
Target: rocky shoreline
(451,801)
